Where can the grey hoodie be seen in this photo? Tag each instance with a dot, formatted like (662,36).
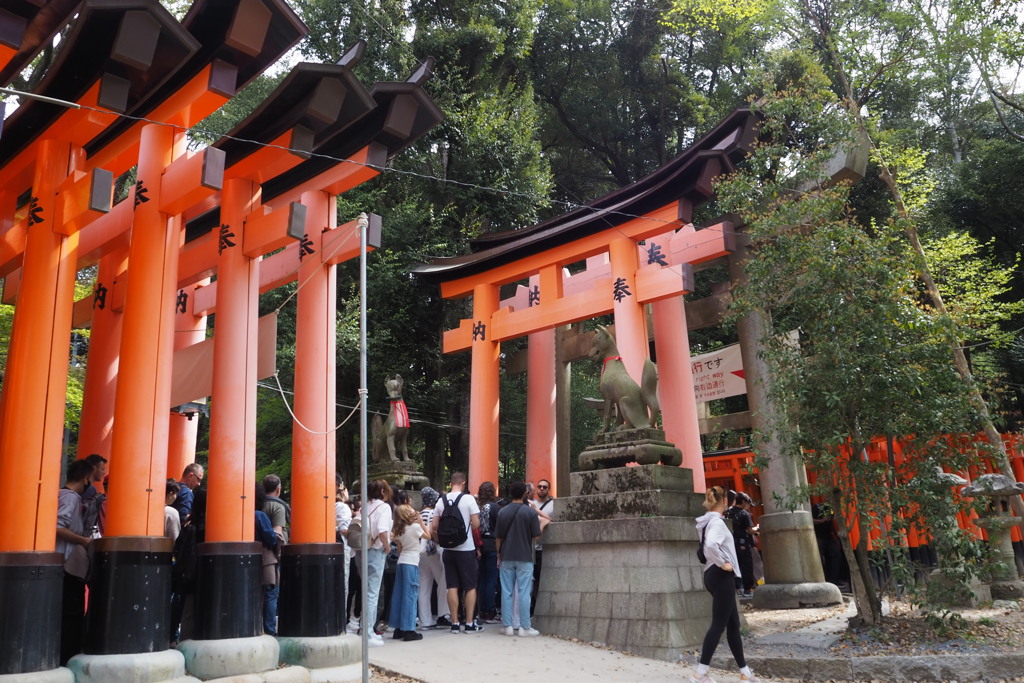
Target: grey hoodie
(719,546)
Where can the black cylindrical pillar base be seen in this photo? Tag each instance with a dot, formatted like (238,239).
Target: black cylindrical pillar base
(129,595)
(31,587)
(229,594)
(312,600)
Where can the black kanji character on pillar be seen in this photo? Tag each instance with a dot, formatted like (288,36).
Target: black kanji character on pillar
(181,303)
(35,212)
(99,297)
(140,194)
(654,255)
(305,247)
(479,329)
(225,238)
(534,298)
(621,289)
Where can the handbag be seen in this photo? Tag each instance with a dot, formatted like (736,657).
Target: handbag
(78,562)
(355,534)
(355,531)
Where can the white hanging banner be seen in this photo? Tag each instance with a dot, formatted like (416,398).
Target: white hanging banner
(718,374)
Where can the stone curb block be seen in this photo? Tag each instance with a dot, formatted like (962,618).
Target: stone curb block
(213,659)
(288,674)
(61,675)
(320,653)
(143,667)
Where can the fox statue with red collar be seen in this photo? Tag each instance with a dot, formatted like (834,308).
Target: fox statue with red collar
(635,406)
(391,439)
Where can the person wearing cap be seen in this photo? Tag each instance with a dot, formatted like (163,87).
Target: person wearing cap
(432,570)
(743,530)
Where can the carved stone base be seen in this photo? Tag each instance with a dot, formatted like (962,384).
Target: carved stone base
(404,474)
(620,565)
(619,448)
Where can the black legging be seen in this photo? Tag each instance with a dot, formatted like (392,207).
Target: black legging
(724,615)
(746,567)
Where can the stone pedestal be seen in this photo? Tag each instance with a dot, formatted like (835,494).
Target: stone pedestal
(401,473)
(1005,584)
(620,563)
(31,587)
(792,567)
(621,447)
(312,590)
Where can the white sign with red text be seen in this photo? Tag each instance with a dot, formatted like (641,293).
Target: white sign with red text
(718,374)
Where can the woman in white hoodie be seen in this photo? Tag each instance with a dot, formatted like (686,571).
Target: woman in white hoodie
(720,570)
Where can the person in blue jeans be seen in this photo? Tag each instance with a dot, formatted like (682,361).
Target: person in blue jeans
(378,523)
(279,514)
(517,530)
(407,532)
(487,579)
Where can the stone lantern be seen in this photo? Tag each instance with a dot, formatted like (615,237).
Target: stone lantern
(1005,584)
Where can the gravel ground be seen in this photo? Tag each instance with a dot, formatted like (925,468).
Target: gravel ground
(379,674)
(905,631)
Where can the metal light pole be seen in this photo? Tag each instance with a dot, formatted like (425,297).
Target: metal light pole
(363,222)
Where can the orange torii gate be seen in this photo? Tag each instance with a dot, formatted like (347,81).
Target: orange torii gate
(639,249)
(190,216)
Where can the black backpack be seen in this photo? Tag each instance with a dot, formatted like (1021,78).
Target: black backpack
(186,560)
(91,513)
(451,530)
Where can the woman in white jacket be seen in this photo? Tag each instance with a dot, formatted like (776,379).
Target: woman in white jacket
(720,570)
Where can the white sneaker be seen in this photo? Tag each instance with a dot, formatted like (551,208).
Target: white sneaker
(528,632)
(701,678)
(374,640)
(508,631)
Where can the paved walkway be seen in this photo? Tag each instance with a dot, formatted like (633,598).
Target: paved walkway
(442,657)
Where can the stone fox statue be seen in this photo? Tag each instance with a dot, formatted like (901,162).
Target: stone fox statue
(391,440)
(636,407)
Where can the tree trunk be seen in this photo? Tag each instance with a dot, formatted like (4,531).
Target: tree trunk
(865,596)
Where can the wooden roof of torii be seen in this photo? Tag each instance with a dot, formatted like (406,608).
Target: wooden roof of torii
(686,179)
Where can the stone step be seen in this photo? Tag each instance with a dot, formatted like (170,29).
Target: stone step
(630,504)
(635,530)
(639,478)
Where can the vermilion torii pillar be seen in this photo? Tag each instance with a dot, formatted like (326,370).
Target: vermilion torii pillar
(313,564)
(672,346)
(313,463)
(95,431)
(484,393)
(121,620)
(230,555)
(183,430)
(630,321)
(35,382)
(541,434)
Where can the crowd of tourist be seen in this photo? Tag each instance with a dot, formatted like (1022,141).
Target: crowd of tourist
(424,572)
(459,562)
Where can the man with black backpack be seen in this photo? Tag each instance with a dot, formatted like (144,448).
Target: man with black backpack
(455,515)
